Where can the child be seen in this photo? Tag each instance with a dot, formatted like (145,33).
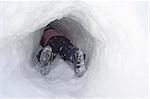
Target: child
(55,43)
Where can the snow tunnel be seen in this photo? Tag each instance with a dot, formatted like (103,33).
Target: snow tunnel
(113,36)
(25,36)
(61,78)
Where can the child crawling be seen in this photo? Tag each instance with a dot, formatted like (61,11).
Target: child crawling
(54,43)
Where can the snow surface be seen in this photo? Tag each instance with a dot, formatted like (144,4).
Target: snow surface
(116,42)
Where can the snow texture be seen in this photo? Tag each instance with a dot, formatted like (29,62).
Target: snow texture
(113,36)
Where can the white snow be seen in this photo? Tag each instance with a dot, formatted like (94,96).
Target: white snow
(116,42)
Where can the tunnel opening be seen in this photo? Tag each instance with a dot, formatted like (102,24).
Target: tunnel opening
(61,79)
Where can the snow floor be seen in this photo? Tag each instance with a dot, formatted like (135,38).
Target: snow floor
(114,36)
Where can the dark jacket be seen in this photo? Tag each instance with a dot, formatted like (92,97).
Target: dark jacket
(59,43)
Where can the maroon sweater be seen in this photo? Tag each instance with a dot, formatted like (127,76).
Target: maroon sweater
(49,33)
